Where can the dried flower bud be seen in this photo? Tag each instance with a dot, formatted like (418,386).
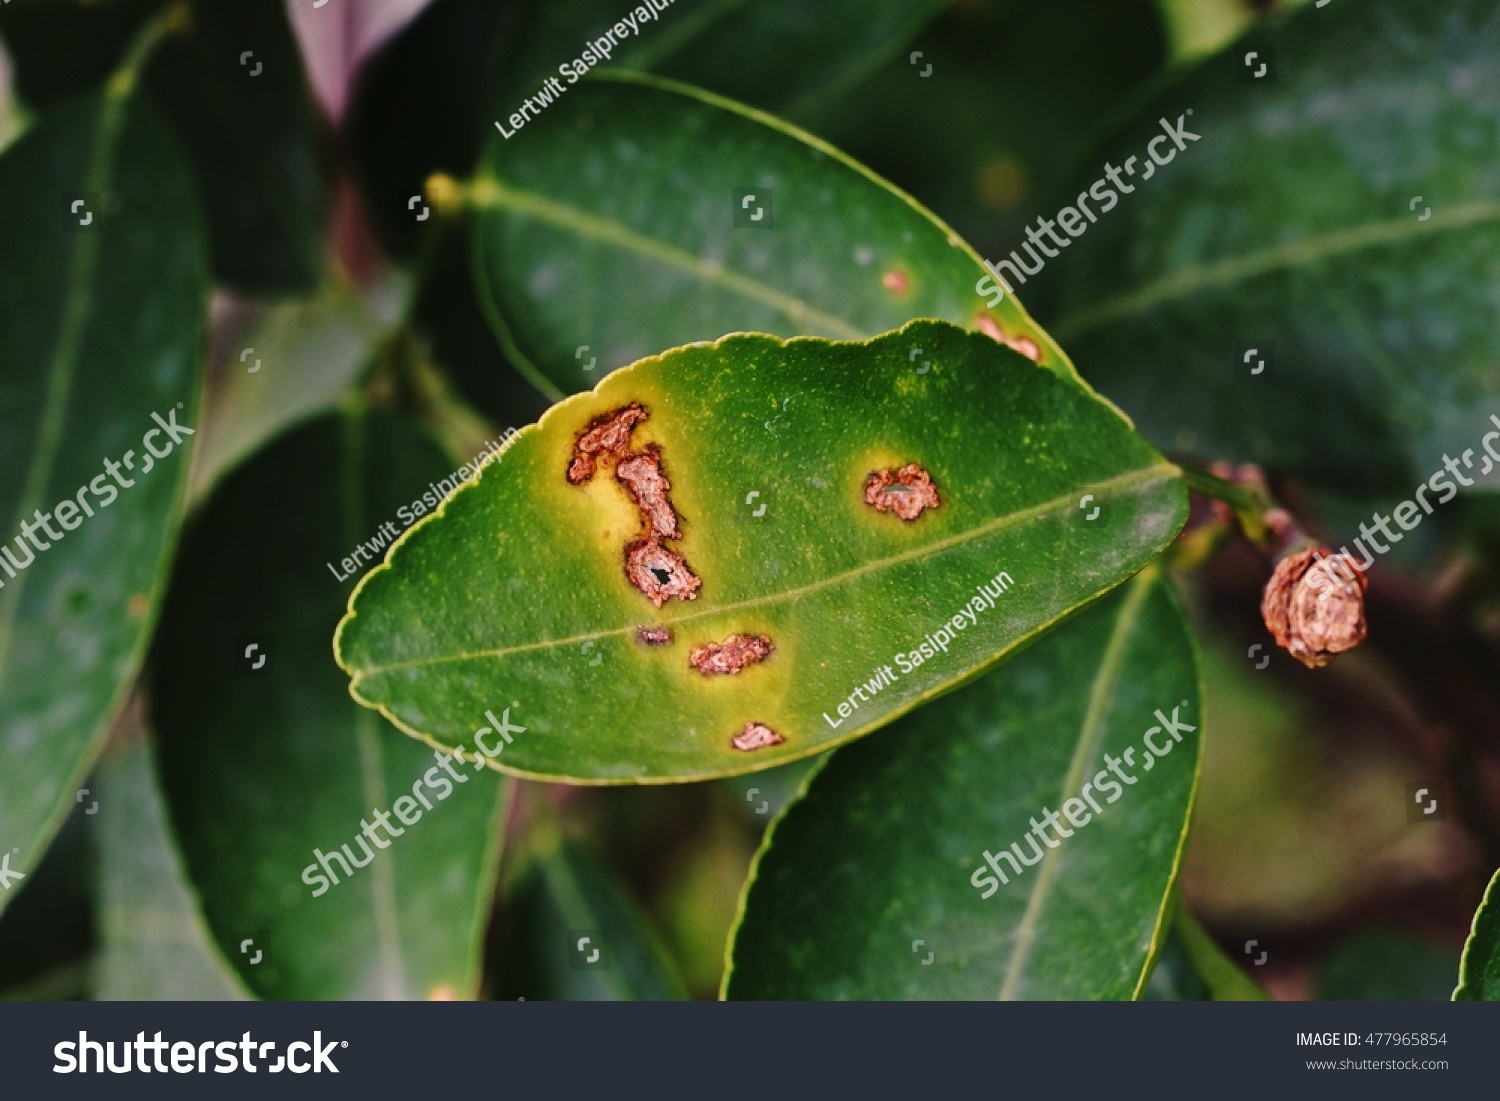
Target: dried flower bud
(1314,605)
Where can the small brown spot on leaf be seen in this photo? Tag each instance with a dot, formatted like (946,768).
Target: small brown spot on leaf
(896,281)
(1023,344)
(755,736)
(654,636)
(659,572)
(906,492)
(138,605)
(607,434)
(717,659)
(648,487)
(1314,605)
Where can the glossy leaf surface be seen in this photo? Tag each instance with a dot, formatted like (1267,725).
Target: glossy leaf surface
(874,884)
(269,769)
(102,301)
(634,215)
(518,590)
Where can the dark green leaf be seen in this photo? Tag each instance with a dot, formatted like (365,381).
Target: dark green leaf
(579,937)
(1339,219)
(417,108)
(518,589)
(251,138)
(955,138)
(155,946)
(1224,979)
(783,56)
(101,330)
(1479,973)
(263,770)
(870,885)
(1387,965)
(614,225)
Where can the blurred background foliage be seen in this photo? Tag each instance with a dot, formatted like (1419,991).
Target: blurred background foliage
(1298,843)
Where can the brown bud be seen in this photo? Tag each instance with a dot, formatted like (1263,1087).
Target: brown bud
(1314,605)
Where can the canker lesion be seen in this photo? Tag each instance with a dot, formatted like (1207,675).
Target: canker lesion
(727,658)
(655,569)
(907,492)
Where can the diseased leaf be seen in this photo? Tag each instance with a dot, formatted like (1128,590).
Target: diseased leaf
(1309,283)
(784,57)
(270,771)
(543,583)
(579,937)
(873,884)
(1479,973)
(155,946)
(623,220)
(102,299)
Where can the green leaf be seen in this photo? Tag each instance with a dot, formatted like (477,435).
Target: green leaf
(252,140)
(1342,221)
(101,329)
(518,589)
(1479,973)
(1387,965)
(606,230)
(954,138)
(570,897)
(290,360)
(866,886)
(1225,981)
(262,771)
(155,946)
(785,57)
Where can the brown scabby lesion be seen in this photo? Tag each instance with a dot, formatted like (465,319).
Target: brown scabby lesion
(655,569)
(755,736)
(907,492)
(654,636)
(727,658)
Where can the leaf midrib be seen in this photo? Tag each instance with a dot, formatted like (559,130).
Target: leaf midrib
(488,193)
(1158,471)
(1302,253)
(1088,743)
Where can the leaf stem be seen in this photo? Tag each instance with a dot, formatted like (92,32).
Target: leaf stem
(1250,506)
